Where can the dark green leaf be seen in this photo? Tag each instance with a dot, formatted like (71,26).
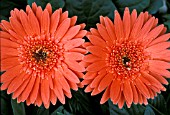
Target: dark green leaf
(88,11)
(133,110)
(136,109)
(154,6)
(7,5)
(80,103)
(42,111)
(158,104)
(18,108)
(60,111)
(54,3)
(149,111)
(114,110)
(139,5)
(166,17)
(5,103)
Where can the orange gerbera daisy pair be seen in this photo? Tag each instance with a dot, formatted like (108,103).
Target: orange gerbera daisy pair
(43,56)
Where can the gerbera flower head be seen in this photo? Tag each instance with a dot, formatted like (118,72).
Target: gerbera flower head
(41,53)
(129,58)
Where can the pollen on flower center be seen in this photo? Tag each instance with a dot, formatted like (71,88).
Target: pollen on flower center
(126,59)
(40,53)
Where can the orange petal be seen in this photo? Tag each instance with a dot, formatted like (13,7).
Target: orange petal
(96,66)
(97,51)
(163,55)
(97,80)
(95,32)
(105,82)
(133,17)
(49,8)
(73,43)
(53,97)
(135,93)
(159,78)
(79,50)
(54,21)
(9,62)
(160,39)
(45,22)
(58,91)
(88,89)
(115,89)
(152,80)
(71,33)
(118,26)
(110,28)
(162,64)
(102,20)
(73,85)
(35,89)
(105,96)
(127,22)
(63,16)
(91,58)
(64,84)
(17,27)
(137,26)
(4,34)
(121,102)
(70,75)
(8,43)
(39,13)
(146,28)
(26,92)
(90,75)
(45,91)
(103,32)
(127,91)
(5,85)
(38,101)
(34,7)
(86,82)
(97,41)
(75,65)
(73,20)
(6,25)
(73,56)
(162,72)
(81,34)
(20,89)
(142,87)
(68,94)
(158,47)
(153,34)
(25,23)
(16,82)
(33,21)
(95,91)
(11,73)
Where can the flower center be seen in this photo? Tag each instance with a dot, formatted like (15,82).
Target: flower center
(126,59)
(40,54)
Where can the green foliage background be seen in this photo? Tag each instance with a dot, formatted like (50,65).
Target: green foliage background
(88,11)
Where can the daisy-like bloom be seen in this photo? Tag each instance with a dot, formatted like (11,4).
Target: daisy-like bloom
(41,53)
(129,59)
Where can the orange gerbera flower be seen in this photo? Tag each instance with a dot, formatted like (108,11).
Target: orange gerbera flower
(40,52)
(128,58)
